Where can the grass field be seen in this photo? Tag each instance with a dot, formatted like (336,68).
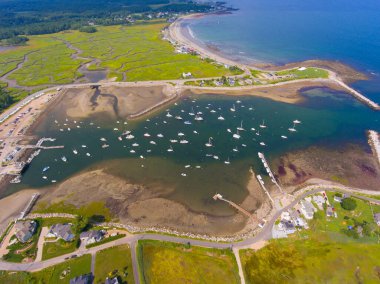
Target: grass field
(308,73)
(54,274)
(60,247)
(312,261)
(131,53)
(112,262)
(162,262)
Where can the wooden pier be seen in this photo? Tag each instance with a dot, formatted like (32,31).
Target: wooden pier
(233,204)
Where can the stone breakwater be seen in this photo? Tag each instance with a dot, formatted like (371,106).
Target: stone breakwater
(374,142)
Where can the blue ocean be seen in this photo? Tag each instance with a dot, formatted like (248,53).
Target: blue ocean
(292,30)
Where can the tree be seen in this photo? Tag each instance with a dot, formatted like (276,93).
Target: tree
(5,98)
(88,29)
(348,204)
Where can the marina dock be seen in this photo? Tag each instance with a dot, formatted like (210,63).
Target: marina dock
(260,179)
(233,204)
(269,171)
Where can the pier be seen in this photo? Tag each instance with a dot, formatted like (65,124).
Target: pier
(233,204)
(29,206)
(374,142)
(269,171)
(260,179)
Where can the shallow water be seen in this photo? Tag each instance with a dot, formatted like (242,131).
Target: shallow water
(328,118)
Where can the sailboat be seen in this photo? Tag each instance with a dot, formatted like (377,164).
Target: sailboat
(75,151)
(233,109)
(241,126)
(263,124)
(236,135)
(220,117)
(192,113)
(209,144)
(228,161)
(296,121)
(170,149)
(198,118)
(293,129)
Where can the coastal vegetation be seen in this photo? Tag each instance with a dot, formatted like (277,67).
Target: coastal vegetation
(60,273)
(5,98)
(162,262)
(53,249)
(312,261)
(114,262)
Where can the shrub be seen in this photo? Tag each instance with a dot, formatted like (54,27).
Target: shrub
(348,204)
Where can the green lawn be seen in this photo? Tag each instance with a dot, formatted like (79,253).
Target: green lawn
(53,274)
(60,247)
(162,262)
(308,73)
(112,262)
(312,261)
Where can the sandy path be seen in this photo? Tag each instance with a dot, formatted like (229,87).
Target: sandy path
(40,244)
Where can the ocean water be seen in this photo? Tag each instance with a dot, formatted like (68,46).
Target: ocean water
(292,30)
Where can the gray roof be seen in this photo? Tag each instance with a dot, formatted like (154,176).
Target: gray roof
(25,230)
(62,231)
(377,217)
(91,234)
(112,281)
(82,279)
(308,206)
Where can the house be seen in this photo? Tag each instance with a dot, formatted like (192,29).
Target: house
(25,230)
(112,281)
(231,81)
(285,215)
(319,200)
(377,218)
(91,237)
(307,209)
(287,226)
(61,231)
(82,279)
(329,211)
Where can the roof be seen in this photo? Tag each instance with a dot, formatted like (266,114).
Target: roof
(82,279)
(112,281)
(377,217)
(307,206)
(91,234)
(62,231)
(25,230)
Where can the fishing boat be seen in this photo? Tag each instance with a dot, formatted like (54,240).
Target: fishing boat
(209,143)
(45,169)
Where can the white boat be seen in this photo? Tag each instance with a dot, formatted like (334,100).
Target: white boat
(296,121)
(103,139)
(146,135)
(61,129)
(181,134)
(116,129)
(284,137)
(198,118)
(213,111)
(75,151)
(44,177)
(240,128)
(53,181)
(170,149)
(88,154)
(105,146)
(129,137)
(183,174)
(236,135)
(229,130)
(45,169)
(187,122)
(126,132)
(160,135)
(238,102)
(216,157)
(132,151)
(228,161)
(120,138)
(253,129)
(258,133)
(135,145)
(192,113)
(262,144)
(168,115)
(263,124)
(292,129)
(68,129)
(84,146)
(233,109)
(235,149)
(64,159)
(197,167)
(251,108)
(209,144)
(183,141)
(178,117)
(220,117)
(141,157)
(244,145)
(173,141)
(187,166)
(152,142)
(195,132)
(78,126)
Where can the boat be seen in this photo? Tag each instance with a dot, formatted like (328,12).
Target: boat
(183,141)
(263,124)
(45,169)
(181,134)
(105,146)
(284,137)
(129,137)
(135,145)
(183,174)
(68,129)
(178,117)
(141,157)
(88,154)
(238,102)
(187,166)
(258,133)
(195,132)
(236,135)
(160,135)
(84,146)
(173,141)
(146,135)
(235,149)
(216,157)
(170,149)
(54,181)
(116,129)
(64,159)
(44,177)
(220,117)
(253,129)
(240,128)
(209,144)
(152,142)
(168,115)
(233,109)
(244,145)
(262,144)
(126,132)
(132,151)
(228,161)
(292,129)
(187,122)
(120,138)
(213,111)
(229,130)
(198,118)
(197,167)
(103,139)
(296,121)
(75,151)
(192,113)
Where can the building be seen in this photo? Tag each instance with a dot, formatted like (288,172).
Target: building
(187,75)
(112,281)
(377,218)
(91,237)
(61,231)
(287,226)
(307,209)
(25,230)
(338,199)
(319,200)
(329,211)
(82,279)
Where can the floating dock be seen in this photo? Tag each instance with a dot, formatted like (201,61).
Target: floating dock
(269,171)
